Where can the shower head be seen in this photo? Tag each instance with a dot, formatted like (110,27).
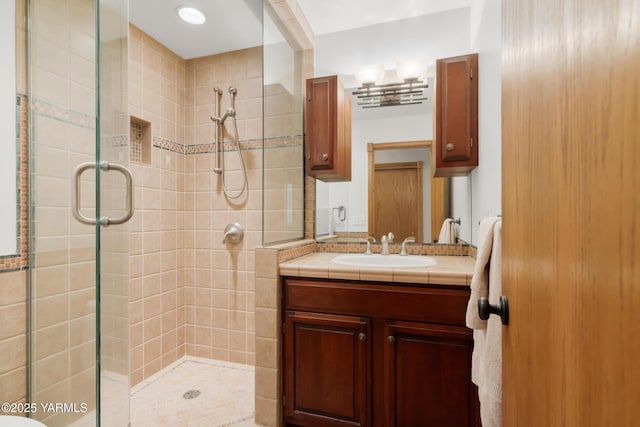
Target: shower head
(233,91)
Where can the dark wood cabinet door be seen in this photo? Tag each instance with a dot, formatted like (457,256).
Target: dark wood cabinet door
(327,130)
(320,118)
(456,115)
(327,369)
(427,379)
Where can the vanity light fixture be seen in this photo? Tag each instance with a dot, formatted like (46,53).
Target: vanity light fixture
(372,93)
(191,15)
(412,70)
(370,74)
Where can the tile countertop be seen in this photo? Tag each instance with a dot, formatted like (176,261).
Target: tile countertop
(449,270)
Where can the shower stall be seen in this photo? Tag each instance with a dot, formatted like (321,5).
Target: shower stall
(128,177)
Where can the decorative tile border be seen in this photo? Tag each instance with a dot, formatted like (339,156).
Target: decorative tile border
(63,114)
(247,144)
(296,252)
(394,248)
(20,261)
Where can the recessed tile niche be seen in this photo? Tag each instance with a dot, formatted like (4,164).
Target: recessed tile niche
(140,135)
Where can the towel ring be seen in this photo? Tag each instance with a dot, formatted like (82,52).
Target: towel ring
(501,309)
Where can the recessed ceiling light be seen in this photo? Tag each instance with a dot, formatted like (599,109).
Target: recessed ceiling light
(191,15)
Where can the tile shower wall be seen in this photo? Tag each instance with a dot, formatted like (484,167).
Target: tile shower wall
(191,294)
(219,278)
(13,273)
(156,317)
(63,263)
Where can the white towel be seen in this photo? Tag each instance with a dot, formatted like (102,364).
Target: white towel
(486,369)
(447,232)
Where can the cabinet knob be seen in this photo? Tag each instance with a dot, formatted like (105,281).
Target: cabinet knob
(325,156)
(391,339)
(450,147)
(362,336)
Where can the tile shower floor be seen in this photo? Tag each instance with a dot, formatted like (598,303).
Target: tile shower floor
(226,395)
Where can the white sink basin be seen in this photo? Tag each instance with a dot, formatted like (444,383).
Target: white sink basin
(389,261)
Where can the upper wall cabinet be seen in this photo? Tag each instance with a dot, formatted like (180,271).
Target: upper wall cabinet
(456,116)
(327,130)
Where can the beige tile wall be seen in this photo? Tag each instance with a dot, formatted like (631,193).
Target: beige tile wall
(63,272)
(190,294)
(219,278)
(13,273)
(13,336)
(156,95)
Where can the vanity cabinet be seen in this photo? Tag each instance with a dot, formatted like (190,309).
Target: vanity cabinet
(376,354)
(456,116)
(327,130)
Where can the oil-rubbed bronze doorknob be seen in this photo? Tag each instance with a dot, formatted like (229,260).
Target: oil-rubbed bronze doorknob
(362,336)
(501,309)
(391,339)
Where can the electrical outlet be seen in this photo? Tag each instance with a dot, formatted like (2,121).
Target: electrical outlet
(358,220)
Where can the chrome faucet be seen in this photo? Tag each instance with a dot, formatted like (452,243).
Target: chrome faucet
(410,239)
(385,240)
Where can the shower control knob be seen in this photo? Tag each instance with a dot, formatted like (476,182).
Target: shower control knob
(325,156)
(450,147)
(233,233)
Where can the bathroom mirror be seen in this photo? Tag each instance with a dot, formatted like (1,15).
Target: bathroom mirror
(9,204)
(341,208)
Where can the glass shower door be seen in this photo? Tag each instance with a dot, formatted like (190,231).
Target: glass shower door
(78,322)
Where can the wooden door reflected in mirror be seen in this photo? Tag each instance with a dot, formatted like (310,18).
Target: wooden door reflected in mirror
(396,196)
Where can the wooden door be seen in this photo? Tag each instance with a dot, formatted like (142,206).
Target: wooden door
(397,200)
(571,212)
(327,370)
(427,377)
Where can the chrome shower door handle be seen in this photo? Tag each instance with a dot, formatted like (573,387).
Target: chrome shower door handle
(129,183)
(77,200)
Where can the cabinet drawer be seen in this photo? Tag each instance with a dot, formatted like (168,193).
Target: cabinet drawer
(430,304)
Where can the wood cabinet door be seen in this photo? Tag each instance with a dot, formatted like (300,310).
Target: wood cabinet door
(327,369)
(320,123)
(456,115)
(427,376)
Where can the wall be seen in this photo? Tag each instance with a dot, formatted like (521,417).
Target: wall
(192,294)
(486,179)
(219,278)
(156,95)
(8,153)
(62,98)
(13,269)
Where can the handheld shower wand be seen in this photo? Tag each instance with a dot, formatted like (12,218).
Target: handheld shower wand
(231,111)
(219,160)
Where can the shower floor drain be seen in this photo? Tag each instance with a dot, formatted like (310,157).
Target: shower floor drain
(191,394)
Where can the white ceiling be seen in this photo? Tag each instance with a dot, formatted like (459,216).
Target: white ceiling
(330,16)
(236,24)
(230,25)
